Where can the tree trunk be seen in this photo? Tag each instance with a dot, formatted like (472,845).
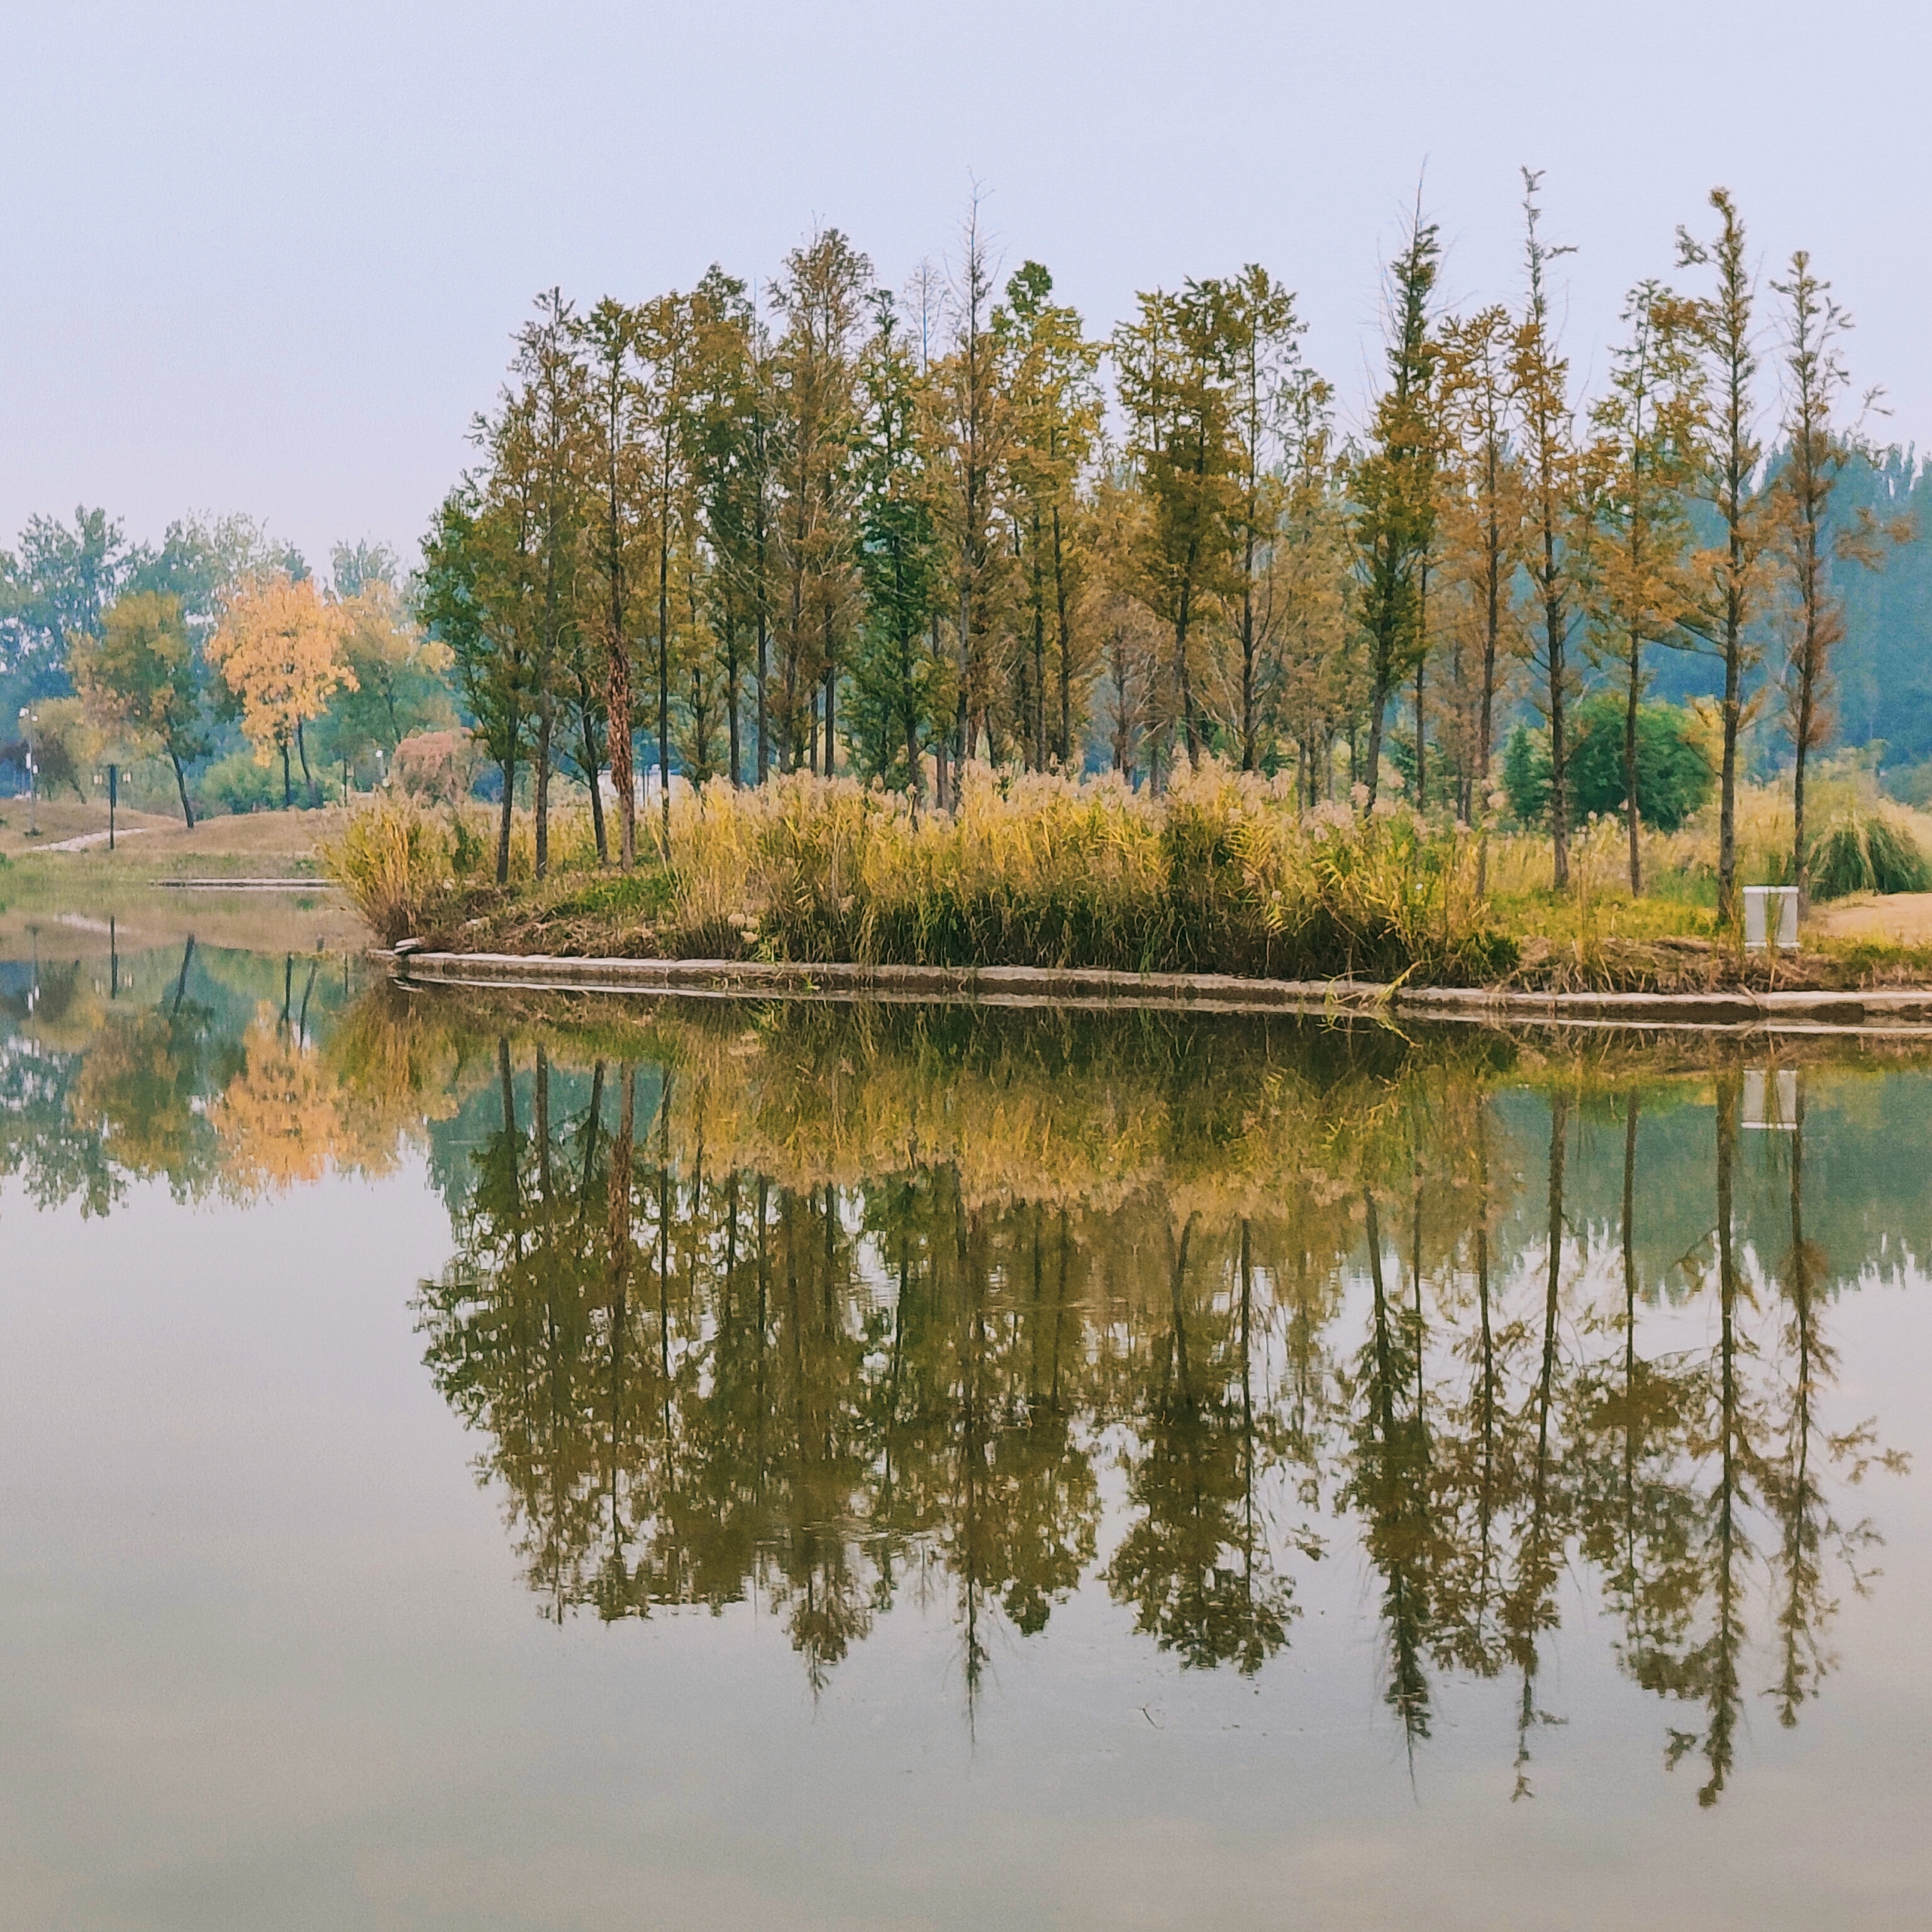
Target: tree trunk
(288,782)
(1559,755)
(1066,665)
(509,769)
(663,730)
(546,717)
(1801,866)
(1727,780)
(308,777)
(180,785)
(594,765)
(1184,682)
(1377,704)
(831,707)
(1631,815)
(1421,740)
(617,702)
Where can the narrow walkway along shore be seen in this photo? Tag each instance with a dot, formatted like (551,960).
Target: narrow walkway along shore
(1906,1012)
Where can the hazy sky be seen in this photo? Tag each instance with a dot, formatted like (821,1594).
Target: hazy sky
(268,257)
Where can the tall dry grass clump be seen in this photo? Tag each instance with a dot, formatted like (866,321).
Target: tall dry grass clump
(1221,874)
(396,861)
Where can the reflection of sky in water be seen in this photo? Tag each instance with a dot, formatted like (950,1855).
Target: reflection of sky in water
(276,1657)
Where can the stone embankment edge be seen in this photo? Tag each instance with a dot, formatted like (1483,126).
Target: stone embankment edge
(1907,1012)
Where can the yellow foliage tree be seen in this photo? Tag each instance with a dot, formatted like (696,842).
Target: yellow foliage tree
(280,650)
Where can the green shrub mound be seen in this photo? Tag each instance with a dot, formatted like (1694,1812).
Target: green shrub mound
(1673,777)
(1866,852)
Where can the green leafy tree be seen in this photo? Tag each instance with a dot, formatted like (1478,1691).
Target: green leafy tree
(1048,371)
(821,296)
(901,697)
(1674,778)
(472,599)
(970,430)
(400,672)
(1177,364)
(1640,588)
(140,677)
(1481,539)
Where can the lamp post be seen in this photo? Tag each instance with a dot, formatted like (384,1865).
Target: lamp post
(28,721)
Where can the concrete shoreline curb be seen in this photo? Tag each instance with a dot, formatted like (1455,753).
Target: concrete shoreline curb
(1906,1012)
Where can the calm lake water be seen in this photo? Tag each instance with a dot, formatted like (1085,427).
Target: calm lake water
(504,1462)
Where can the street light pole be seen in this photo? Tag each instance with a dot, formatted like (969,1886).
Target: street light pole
(28,721)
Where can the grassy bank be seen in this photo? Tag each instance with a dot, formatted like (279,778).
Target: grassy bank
(1222,873)
(1219,874)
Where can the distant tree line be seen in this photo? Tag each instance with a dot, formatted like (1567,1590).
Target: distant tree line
(217,655)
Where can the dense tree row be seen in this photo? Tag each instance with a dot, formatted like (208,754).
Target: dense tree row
(832,528)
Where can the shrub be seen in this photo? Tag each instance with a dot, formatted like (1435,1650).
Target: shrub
(437,765)
(1866,852)
(237,784)
(1674,778)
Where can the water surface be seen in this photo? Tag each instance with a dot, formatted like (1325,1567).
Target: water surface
(500,1461)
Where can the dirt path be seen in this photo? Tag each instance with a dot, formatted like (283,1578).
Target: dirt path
(89,839)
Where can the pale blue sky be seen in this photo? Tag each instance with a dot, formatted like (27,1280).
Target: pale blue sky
(268,257)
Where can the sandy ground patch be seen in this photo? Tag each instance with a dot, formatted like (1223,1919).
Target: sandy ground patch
(1904,918)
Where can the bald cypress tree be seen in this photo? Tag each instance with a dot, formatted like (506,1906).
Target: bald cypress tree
(1394,488)
(1731,589)
(1552,476)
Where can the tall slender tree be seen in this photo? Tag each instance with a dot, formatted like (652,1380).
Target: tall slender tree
(1049,369)
(821,295)
(1731,574)
(1552,479)
(617,519)
(1177,364)
(667,348)
(733,486)
(971,429)
(1263,329)
(1816,453)
(1393,489)
(1483,538)
(551,389)
(902,688)
(1640,588)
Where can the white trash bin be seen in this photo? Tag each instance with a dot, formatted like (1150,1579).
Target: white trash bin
(1768,910)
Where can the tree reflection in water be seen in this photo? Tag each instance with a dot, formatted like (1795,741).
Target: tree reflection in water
(852,1312)
(839,1307)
